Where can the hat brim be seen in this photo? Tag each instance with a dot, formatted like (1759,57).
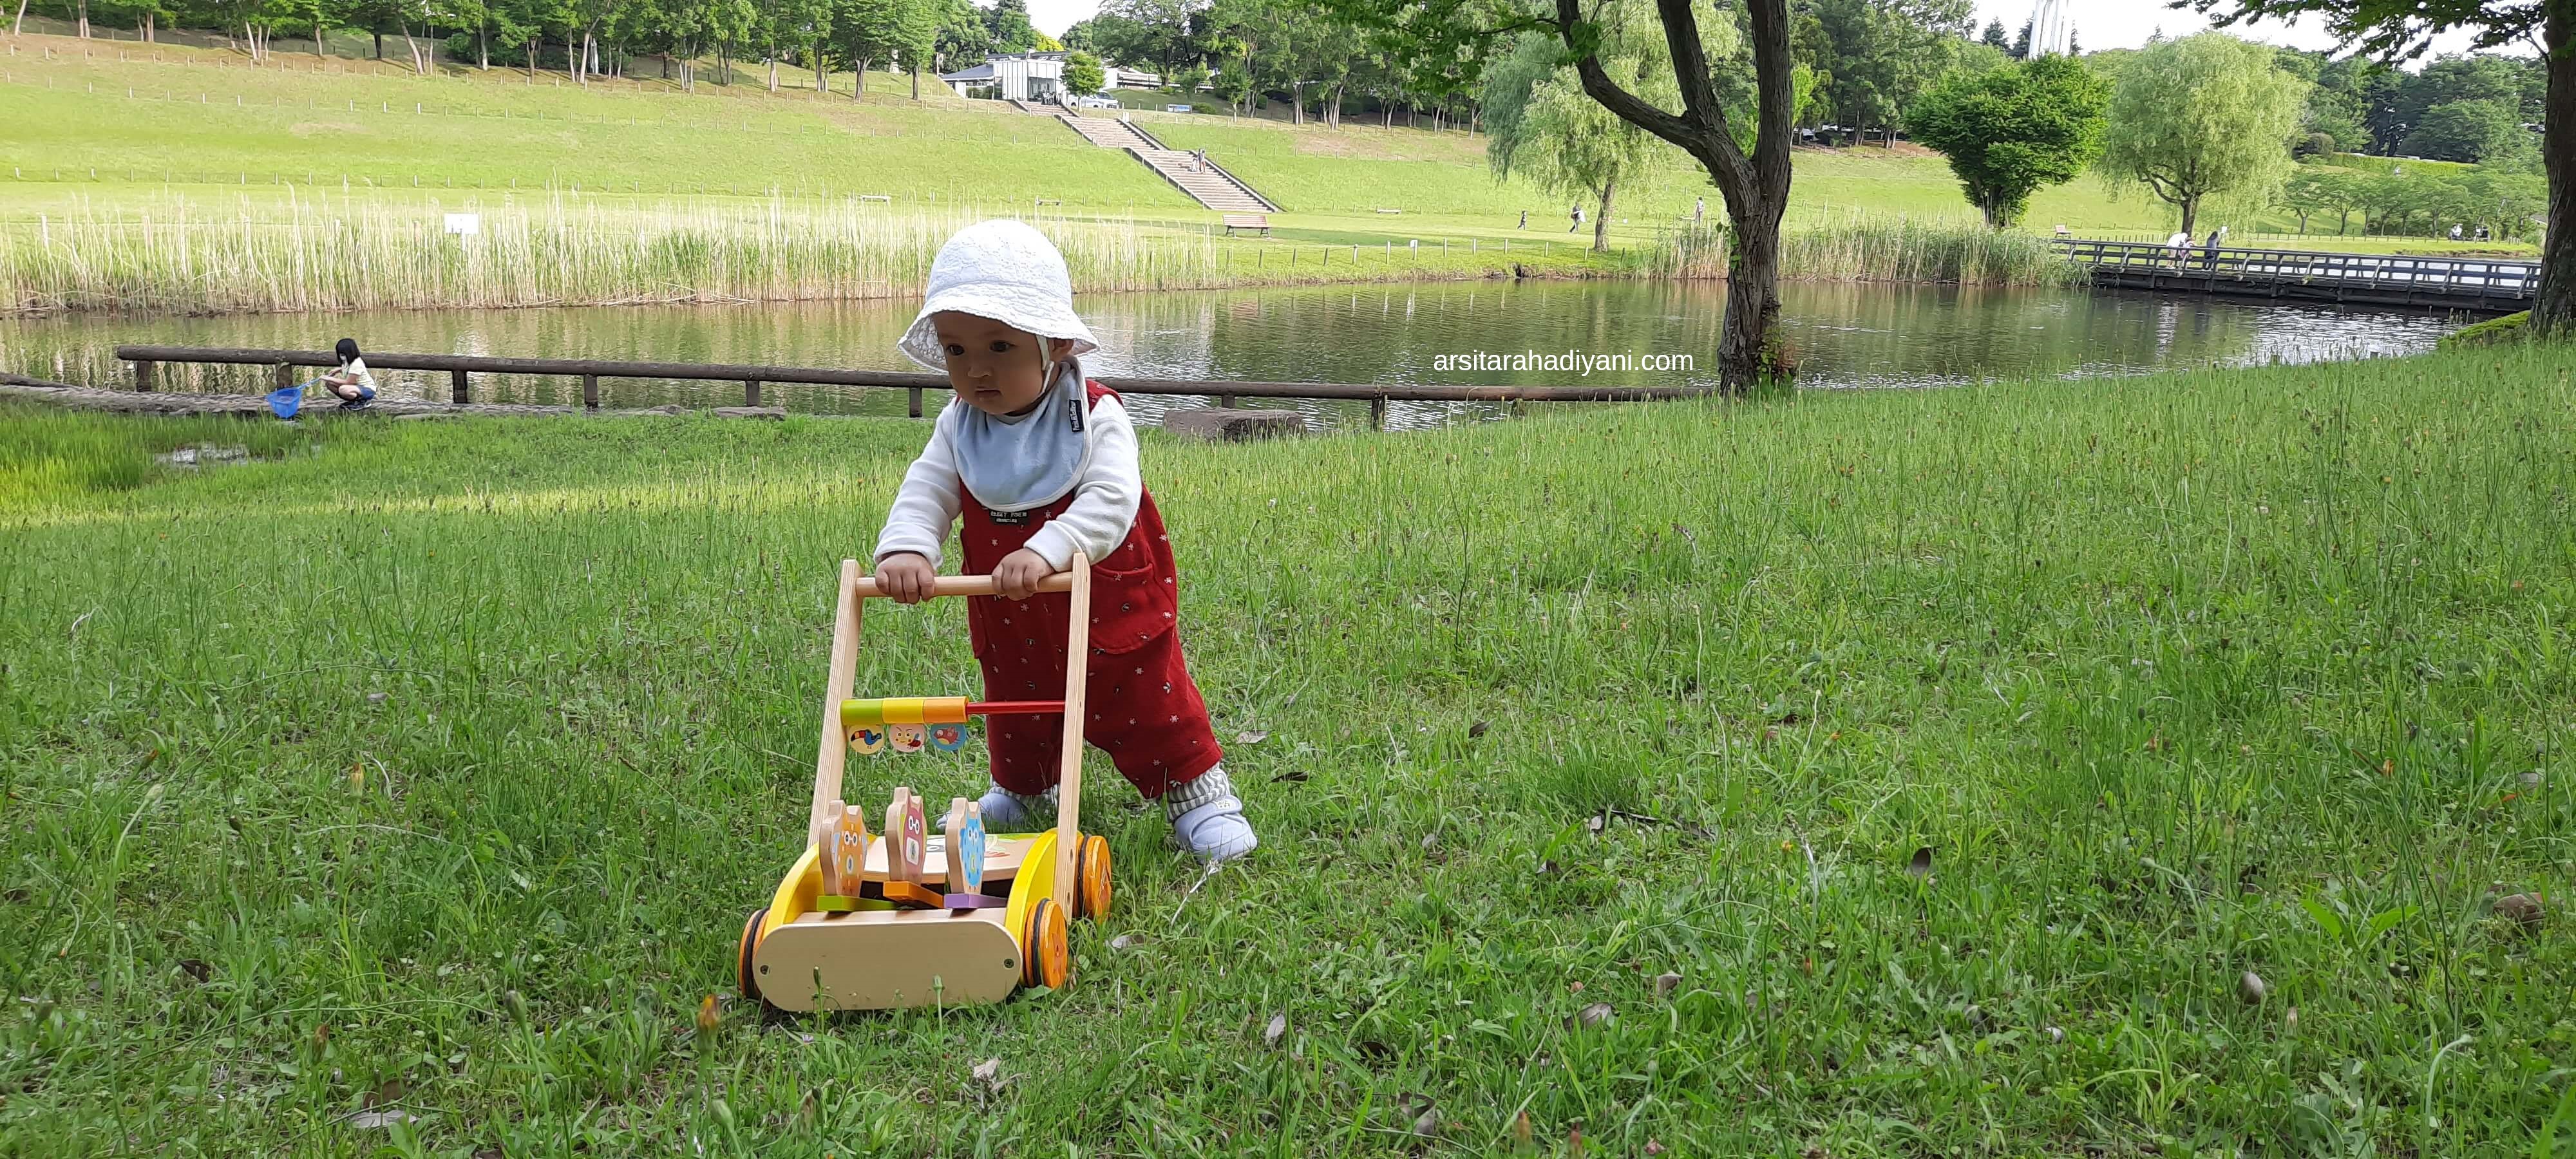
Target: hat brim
(1018,307)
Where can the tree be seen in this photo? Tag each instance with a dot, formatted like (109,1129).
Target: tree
(2013,130)
(2310,190)
(1083,75)
(2206,114)
(2402,29)
(2464,131)
(962,41)
(1540,123)
(1993,37)
(1008,22)
(1885,53)
(1451,39)
(1143,32)
(873,31)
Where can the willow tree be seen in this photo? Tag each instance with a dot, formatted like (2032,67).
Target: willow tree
(1452,38)
(1540,123)
(2204,116)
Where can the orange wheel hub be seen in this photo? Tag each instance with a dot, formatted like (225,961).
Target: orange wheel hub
(1047,956)
(1091,879)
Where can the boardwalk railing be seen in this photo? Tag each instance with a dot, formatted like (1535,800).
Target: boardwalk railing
(2383,279)
(459,368)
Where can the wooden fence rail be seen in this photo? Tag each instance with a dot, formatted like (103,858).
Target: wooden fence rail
(147,360)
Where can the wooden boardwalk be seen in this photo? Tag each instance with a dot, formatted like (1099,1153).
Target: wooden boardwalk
(2480,285)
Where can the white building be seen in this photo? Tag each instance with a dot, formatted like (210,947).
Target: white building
(1035,76)
(1012,76)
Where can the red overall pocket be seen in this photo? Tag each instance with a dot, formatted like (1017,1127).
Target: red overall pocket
(1132,596)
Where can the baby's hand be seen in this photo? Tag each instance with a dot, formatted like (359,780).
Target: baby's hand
(1019,574)
(905,577)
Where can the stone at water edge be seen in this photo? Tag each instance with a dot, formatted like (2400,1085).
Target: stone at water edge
(1224,425)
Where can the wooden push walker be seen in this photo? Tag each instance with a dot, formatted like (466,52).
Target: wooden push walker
(912,918)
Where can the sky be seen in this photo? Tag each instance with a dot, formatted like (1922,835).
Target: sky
(2098,23)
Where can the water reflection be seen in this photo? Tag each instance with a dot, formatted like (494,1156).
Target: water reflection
(1845,336)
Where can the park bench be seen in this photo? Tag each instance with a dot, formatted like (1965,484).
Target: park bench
(1235,221)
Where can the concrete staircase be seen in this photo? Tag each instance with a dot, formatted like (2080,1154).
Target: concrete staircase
(1210,186)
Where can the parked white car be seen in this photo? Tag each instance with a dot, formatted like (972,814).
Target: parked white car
(1095,102)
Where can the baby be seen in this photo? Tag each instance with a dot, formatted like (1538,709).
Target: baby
(1041,462)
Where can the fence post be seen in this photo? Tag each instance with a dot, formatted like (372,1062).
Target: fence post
(1226,401)
(143,377)
(916,402)
(1377,412)
(457,392)
(751,392)
(590,392)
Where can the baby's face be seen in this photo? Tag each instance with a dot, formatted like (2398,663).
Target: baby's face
(996,369)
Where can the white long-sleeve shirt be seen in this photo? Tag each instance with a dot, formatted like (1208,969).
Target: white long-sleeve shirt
(1104,504)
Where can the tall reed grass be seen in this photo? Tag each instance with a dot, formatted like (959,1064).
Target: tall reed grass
(558,251)
(1904,249)
(1879,248)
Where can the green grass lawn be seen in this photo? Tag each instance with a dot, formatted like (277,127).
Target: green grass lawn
(1959,752)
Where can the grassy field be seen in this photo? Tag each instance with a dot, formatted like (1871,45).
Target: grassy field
(1958,752)
(201,122)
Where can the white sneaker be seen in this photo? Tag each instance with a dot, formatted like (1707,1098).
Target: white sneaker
(1009,812)
(1207,819)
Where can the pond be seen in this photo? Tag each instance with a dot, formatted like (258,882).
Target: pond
(1845,336)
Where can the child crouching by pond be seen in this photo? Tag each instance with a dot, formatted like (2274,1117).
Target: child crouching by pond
(1040,463)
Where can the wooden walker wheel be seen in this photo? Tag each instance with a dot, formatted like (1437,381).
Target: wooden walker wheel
(744,983)
(1046,957)
(1091,879)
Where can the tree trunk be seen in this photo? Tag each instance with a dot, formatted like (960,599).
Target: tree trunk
(773,72)
(666,65)
(84,19)
(822,79)
(2190,210)
(18,27)
(2553,311)
(1601,223)
(380,43)
(916,80)
(318,50)
(859,78)
(151,27)
(1756,187)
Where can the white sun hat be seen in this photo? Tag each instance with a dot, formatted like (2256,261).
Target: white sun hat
(1003,270)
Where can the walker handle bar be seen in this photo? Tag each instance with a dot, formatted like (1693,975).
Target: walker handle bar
(967,585)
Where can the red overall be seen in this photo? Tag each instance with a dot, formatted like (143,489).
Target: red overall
(1145,711)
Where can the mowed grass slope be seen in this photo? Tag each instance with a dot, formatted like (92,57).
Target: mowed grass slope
(1957,751)
(493,128)
(488,130)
